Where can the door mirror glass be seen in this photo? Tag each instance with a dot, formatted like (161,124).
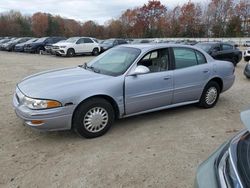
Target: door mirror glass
(140,69)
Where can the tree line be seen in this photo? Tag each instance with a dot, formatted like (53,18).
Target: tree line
(217,18)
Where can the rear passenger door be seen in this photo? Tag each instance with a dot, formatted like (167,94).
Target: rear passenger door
(88,45)
(191,72)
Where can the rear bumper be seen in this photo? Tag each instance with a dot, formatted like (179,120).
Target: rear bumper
(228,82)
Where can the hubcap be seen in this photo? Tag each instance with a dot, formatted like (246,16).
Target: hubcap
(211,95)
(95,119)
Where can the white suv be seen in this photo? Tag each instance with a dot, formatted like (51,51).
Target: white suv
(77,45)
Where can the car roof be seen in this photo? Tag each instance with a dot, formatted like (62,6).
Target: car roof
(148,46)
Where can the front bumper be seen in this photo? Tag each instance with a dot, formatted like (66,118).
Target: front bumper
(52,119)
(61,52)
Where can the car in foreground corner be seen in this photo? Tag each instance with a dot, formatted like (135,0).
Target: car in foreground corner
(222,51)
(229,165)
(124,81)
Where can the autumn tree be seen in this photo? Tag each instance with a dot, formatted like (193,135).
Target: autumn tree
(40,24)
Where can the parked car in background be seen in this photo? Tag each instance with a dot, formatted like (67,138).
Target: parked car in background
(110,43)
(141,41)
(11,45)
(246,54)
(124,81)
(39,45)
(246,43)
(229,165)
(222,51)
(76,46)
(20,47)
(247,70)
(5,42)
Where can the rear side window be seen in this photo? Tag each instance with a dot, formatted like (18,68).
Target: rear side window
(227,47)
(200,58)
(87,40)
(184,57)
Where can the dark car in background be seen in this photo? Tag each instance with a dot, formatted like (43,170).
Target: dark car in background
(110,43)
(39,45)
(11,44)
(228,166)
(222,51)
(20,47)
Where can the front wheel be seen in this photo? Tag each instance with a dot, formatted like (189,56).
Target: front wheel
(210,95)
(93,118)
(70,52)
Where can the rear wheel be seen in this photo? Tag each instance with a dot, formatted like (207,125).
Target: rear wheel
(210,95)
(95,52)
(70,52)
(93,118)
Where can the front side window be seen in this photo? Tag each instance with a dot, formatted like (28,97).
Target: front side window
(80,41)
(156,61)
(115,61)
(184,57)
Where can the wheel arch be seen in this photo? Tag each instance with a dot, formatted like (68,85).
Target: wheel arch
(103,96)
(219,81)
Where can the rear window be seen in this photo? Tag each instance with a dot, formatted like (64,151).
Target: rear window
(227,47)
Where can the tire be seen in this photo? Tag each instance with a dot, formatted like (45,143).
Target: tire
(39,49)
(85,125)
(70,52)
(213,90)
(95,52)
(247,59)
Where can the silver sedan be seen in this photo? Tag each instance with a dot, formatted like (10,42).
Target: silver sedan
(124,81)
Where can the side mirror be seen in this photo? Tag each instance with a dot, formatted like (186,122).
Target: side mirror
(140,69)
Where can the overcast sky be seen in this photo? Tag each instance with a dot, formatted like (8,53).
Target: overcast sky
(82,10)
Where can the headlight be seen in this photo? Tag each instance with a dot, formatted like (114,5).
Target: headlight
(38,104)
(62,46)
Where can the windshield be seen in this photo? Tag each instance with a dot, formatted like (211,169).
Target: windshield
(205,47)
(110,41)
(42,39)
(72,40)
(114,62)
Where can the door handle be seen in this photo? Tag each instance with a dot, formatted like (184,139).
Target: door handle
(205,71)
(166,78)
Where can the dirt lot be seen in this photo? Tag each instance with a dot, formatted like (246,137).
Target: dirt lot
(161,149)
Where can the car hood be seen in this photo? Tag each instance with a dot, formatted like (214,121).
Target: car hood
(62,44)
(245,118)
(48,83)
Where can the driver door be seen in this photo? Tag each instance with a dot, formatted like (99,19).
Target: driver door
(151,90)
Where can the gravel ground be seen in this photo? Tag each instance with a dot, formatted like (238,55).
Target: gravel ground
(161,149)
